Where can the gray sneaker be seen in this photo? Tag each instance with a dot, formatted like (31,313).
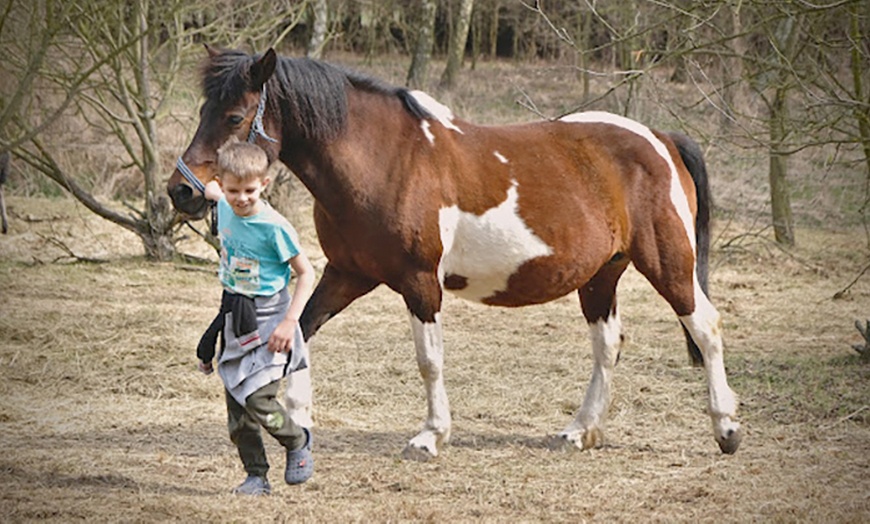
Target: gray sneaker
(253,485)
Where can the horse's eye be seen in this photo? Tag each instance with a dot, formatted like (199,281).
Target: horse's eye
(235,120)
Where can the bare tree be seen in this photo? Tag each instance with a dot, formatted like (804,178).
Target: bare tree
(118,95)
(425,30)
(320,19)
(779,84)
(456,46)
(113,65)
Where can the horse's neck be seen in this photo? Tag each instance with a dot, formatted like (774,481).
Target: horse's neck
(356,163)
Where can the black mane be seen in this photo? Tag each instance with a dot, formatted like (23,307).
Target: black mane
(313,94)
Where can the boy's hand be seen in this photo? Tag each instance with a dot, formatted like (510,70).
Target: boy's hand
(282,338)
(213,191)
(206,367)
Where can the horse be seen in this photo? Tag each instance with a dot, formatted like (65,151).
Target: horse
(408,195)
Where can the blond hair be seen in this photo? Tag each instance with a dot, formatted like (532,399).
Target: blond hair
(242,160)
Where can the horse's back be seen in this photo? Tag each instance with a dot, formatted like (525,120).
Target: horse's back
(542,207)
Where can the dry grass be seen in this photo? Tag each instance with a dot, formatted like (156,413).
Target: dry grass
(104,417)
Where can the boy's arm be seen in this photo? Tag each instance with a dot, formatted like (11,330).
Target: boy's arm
(282,337)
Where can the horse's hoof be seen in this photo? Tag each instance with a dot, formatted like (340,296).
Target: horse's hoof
(417,454)
(731,441)
(561,442)
(591,438)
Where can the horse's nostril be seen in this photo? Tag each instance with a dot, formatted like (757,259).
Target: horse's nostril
(188,201)
(181,193)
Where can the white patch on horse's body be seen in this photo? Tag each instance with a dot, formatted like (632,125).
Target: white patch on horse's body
(501,158)
(424,125)
(678,196)
(429,345)
(586,429)
(438,110)
(487,249)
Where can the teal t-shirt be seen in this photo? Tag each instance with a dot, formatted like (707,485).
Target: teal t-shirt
(255,250)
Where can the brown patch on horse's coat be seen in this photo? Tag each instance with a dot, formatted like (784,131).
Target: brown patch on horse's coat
(455,282)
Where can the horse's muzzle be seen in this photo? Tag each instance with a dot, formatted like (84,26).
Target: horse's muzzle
(188,201)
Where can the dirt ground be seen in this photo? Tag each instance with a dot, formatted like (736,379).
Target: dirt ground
(103,416)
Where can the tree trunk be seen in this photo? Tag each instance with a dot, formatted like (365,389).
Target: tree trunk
(584,36)
(156,227)
(732,91)
(418,72)
(862,112)
(320,16)
(493,30)
(780,201)
(785,40)
(456,46)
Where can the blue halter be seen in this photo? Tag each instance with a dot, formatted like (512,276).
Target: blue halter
(256,130)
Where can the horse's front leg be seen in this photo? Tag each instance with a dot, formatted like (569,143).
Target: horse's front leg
(598,300)
(334,292)
(423,298)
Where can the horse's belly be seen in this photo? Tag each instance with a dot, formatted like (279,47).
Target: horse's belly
(482,252)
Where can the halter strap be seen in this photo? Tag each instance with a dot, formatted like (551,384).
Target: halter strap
(257,124)
(256,130)
(189,176)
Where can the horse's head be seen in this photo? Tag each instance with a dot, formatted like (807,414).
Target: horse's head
(235,102)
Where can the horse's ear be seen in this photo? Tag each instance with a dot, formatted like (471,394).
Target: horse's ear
(212,52)
(262,69)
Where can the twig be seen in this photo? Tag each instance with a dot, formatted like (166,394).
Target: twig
(69,252)
(842,293)
(529,104)
(769,242)
(844,419)
(197,269)
(35,219)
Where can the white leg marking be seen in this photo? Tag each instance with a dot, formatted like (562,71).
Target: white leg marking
(705,327)
(430,360)
(585,430)
(487,249)
(678,196)
(298,397)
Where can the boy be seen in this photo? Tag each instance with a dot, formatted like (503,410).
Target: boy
(259,319)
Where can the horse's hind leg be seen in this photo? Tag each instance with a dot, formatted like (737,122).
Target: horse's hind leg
(670,269)
(705,326)
(598,300)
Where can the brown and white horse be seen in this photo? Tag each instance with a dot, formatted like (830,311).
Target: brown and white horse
(410,196)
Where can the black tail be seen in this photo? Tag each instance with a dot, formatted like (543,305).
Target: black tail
(693,158)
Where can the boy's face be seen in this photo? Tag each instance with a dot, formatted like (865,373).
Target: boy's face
(244,195)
